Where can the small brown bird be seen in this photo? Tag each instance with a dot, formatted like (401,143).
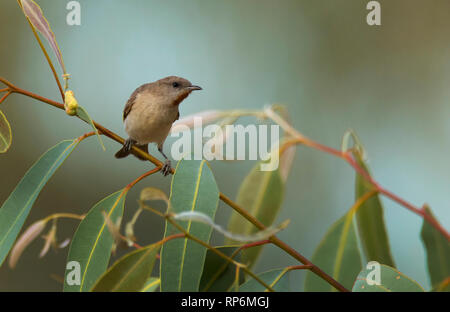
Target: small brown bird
(150,112)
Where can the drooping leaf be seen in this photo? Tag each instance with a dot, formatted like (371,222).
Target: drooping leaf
(188,122)
(278,279)
(24,240)
(131,272)
(218,273)
(92,243)
(151,285)
(370,220)
(438,253)
(35,15)
(152,193)
(261,194)
(5,134)
(286,161)
(83,115)
(338,255)
(193,189)
(15,209)
(390,280)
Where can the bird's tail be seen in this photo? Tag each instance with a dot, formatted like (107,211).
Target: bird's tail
(124,151)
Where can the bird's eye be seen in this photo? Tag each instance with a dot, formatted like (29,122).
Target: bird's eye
(175,84)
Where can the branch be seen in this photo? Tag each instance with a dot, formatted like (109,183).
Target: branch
(274,240)
(347,156)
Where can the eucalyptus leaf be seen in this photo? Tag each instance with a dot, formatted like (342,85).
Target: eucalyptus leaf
(5,134)
(92,243)
(390,280)
(129,273)
(17,206)
(193,189)
(261,194)
(83,115)
(370,220)
(278,279)
(337,255)
(438,253)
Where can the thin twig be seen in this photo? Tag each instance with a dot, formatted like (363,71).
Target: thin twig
(5,96)
(347,156)
(299,267)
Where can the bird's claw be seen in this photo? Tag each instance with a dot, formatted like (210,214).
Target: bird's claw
(166,168)
(128,144)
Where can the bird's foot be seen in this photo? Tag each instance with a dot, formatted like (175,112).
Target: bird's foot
(166,168)
(128,144)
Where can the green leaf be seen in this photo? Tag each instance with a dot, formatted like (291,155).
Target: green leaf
(5,134)
(390,280)
(131,272)
(218,273)
(15,209)
(92,243)
(438,252)
(338,255)
(151,285)
(278,279)
(370,220)
(83,115)
(193,189)
(261,194)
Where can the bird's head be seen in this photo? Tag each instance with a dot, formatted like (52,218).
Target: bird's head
(176,89)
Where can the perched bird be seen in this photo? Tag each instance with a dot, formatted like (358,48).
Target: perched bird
(150,112)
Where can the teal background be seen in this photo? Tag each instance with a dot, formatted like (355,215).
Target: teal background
(319,58)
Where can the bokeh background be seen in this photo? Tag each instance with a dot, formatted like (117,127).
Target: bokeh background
(319,58)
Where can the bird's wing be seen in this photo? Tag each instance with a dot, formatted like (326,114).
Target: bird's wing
(131,100)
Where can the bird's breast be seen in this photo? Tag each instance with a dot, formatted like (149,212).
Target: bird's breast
(150,121)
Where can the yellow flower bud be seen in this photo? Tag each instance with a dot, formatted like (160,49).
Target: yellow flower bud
(70,103)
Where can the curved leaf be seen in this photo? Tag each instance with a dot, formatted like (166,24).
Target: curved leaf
(278,279)
(92,243)
(193,188)
(151,285)
(370,220)
(218,273)
(25,239)
(438,253)
(338,255)
(131,272)
(5,134)
(83,115)
(390,280)
(261,194)
(15,209)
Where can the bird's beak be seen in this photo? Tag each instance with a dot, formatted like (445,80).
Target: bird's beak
(193,88)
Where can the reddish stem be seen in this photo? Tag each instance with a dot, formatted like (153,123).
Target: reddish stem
(154,170)
(5,96)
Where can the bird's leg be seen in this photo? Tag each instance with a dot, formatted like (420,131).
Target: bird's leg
(166,168)
(128,144)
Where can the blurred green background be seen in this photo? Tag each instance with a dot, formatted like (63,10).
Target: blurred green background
(319,58)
